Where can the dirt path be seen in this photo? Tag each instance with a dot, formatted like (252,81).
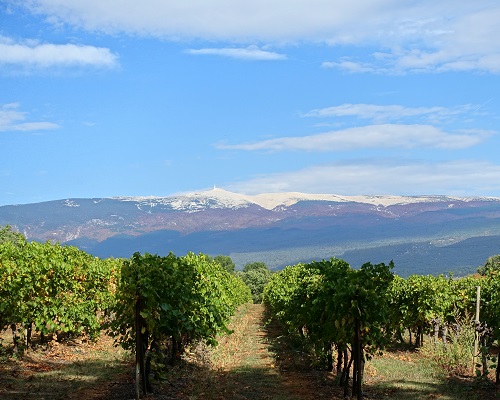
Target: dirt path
(249,364)
(253,364)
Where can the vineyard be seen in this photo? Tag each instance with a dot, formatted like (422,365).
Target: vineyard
(360,312)
(157,308)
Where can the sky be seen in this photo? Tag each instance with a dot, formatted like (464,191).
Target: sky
(160,97)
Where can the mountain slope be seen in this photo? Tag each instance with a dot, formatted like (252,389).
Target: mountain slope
(279,228)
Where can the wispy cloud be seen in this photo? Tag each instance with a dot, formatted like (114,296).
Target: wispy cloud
(370,137)
(246,53)
(435,44)
(418,61)
(381,113)
(423,36)
(30,53)
(11,119)
(347,65)
(460,178)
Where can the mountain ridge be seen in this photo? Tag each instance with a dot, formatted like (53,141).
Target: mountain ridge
(272,200)
(282,227)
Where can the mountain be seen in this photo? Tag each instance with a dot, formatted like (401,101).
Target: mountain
(422,234)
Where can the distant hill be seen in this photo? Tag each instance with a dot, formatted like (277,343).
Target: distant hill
(424,234)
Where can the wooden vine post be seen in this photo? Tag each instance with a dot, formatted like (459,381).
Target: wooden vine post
(476,333)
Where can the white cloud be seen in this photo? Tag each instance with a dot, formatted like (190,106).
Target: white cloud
(351,66)
(381,113)
(378,177)
(421,36)
(236,21)
(445,57)
(13,120)
(30,53)
(370,137)
(247,53)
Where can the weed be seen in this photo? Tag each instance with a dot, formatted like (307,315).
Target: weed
(456,356)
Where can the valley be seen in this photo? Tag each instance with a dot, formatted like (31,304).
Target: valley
(422,234)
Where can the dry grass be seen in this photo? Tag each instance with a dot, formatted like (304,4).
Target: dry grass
(253,363)
(58,370)
(408,375)
(245,366)
(247,346)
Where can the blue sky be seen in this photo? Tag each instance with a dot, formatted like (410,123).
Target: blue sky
(128,98)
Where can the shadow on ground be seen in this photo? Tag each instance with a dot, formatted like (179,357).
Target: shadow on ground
(286,374)
(53,380)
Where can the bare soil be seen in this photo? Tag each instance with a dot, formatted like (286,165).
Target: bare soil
(251,363)
(255,362)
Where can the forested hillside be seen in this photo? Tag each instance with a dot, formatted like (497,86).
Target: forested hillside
(423,234)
